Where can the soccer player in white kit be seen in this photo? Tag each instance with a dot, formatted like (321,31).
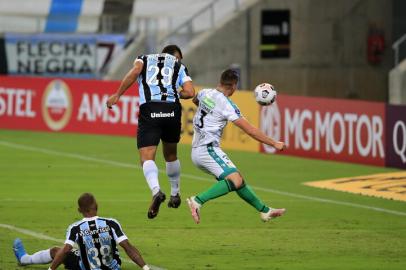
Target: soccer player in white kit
(215,109)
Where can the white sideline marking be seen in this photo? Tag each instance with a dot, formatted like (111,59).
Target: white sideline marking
(60,241)
(31,233)
(190,176)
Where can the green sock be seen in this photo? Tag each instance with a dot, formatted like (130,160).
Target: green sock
(221,188)
(248,195)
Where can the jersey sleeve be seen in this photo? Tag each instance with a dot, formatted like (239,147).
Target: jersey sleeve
(183,75)
(71,235)
(231,111)
(118,233)
(200,94)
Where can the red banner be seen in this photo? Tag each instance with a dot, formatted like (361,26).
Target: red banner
(352,131)
(396,136)
(66,105)
(331,129)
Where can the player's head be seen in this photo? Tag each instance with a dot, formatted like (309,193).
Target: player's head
(173,50)
(229,80)
(87,204)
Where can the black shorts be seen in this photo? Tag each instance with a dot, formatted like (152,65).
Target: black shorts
(159,121)
(72,260)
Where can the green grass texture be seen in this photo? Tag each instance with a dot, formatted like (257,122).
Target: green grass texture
(43,174)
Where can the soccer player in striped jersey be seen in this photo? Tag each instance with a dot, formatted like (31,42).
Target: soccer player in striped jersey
(215,109)
(159,77)
(97,239)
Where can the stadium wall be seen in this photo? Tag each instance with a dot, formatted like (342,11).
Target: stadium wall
(352,131)
(328,49)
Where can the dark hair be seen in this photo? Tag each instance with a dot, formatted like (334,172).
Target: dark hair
(229,77)
(172,49)
(87,202)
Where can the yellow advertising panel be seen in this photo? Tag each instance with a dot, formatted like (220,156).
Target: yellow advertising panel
(233,137)
(384,185)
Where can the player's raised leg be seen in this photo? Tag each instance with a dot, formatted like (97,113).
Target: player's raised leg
(173,172)
(266,213)
(147,157)
(39,257)
(248,195)
(214,161)
(219,189)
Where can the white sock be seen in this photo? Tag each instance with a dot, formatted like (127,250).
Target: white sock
(173,172)
(40,257)
(151,175)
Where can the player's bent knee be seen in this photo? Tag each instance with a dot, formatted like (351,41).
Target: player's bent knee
(169,151)
(237,180)
(170,158)
(147,153)
(239,184)
(53,251)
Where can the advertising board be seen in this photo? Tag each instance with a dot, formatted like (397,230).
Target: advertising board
(66,105)
(343,130)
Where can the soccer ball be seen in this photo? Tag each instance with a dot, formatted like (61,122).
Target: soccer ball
(265,94)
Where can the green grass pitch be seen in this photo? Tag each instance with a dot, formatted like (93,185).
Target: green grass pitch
(42,174)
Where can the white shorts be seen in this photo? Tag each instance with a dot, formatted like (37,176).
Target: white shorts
(213,160)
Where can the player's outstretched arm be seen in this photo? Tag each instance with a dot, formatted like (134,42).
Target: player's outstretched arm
(134,254)
(188,91)
(127,81)
(60,256)
(257,134)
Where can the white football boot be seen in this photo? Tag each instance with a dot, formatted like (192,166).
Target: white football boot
(272,213)
(194,209)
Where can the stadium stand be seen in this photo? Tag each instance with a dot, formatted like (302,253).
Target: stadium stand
(112,16)
(184,22)
(80,16)
(116,16)
(23,16)
(173,14)
(321,52)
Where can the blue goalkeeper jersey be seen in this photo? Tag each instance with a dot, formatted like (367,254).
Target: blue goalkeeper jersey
(97,239)
(160,78)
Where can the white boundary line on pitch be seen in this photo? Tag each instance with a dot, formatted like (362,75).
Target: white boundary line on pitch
(31,233)
(49,238)
(133,166)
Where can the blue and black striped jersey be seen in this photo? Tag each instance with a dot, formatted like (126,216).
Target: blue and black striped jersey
(97,239)
(160,78)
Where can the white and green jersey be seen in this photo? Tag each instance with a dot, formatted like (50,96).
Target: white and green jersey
(212,115)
